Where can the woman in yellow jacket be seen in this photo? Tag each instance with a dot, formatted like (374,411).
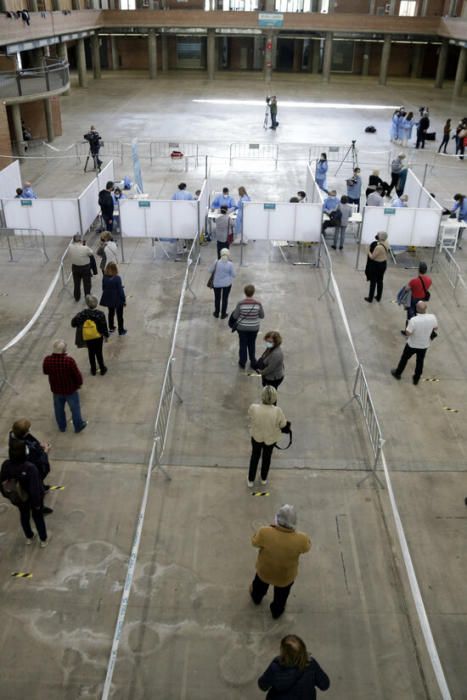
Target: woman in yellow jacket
(280,547)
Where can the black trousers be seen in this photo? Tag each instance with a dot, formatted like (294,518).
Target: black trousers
(25,512)
(376,280)
(444,142)
(394,182)
(247,345)
(81,272)
(405,357)
(420,139)
(259,589)
(272,382)
(221,245)
(221,293)
(111,314)
(354,200)
(258,449)
(95,353)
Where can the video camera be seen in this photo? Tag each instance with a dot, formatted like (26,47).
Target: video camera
(94,140)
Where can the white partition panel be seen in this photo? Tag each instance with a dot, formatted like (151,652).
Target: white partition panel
(158,218)
(89,205)
(405,227)
(283,222)
(54,217)
(106,174)
(203,205)
(10,180)
(313,192)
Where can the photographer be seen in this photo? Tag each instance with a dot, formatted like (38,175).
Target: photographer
(272,102)
(95,144)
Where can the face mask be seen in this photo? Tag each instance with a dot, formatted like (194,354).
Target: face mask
(268,344)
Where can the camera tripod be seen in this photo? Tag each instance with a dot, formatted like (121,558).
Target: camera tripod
(266,118)
(350,151)
(95,160)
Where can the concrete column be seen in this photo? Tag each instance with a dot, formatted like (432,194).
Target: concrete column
(268,58)
(424,8)
(211,54)
(48,120)
(114,52)
(165,54)
(417,60)
(33,6)
(18,129)
(392,7)
(75,5)
(270,5)
(297,55)
(56,5)
(441,67)
(96,56)
(460,72)
(316,59)
(383,69)
(62,51)
(81,56)
(366,58)
(152,53)
(327,58)
(372,7)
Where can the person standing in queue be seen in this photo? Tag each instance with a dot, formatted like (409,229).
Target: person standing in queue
(376,265)
(224,274)
(246,319)
(271,363)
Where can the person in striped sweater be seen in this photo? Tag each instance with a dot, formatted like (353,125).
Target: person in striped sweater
(247,315)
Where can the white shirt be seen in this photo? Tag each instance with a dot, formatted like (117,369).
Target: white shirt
(79,254)
(420,328)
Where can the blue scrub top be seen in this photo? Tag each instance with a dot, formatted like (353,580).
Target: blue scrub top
(182,194)
(223,201)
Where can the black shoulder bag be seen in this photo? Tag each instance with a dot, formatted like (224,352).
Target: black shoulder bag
(287,429)
(427,293)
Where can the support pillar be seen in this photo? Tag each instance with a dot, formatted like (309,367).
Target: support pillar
(366,58)
(383,69)
(56,5)
(327,58)
(417,60)
(75,5)
(211,54)
(17,127)
(165,54)
(114,52)
(48,120)
(96,57)
(81,56)
(33,6)
(268,58)
(152,54)
(62,51)
(442,61)
(424,8)
(460,72)
(316,59)
(270,6)
(297,55)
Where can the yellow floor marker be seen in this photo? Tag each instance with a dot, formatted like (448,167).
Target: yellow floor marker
(260,493)
(451,410)
(21,574)
(431,379)
(57,488)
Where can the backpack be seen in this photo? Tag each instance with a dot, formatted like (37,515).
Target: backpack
(370,130)
(14,492)
(90,331)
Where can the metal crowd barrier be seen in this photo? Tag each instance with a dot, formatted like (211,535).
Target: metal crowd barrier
(327,264)
(60,274)
(31,239)
(254,151)
(449,266)
(361,392)
(161,428)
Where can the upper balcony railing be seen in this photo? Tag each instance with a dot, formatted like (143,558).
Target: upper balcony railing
(53,76)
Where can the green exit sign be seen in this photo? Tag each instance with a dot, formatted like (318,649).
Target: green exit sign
(26,202)
(389,210)
(144,203)
(269,206)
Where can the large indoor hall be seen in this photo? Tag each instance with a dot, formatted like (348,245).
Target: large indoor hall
(188,629)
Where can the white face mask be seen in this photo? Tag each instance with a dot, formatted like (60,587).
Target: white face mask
(268,344)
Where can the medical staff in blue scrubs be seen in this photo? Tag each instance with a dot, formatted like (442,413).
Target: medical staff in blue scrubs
(243,197)
(321,172)
(182,192)
(223,200)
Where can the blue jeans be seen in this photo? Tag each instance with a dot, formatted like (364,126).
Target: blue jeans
(59,407)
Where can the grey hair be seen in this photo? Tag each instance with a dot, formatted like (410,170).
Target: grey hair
(286,516)
(77,238)
(59,346)
(91,301)
(269,395)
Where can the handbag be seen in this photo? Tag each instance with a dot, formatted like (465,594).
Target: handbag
(233,322)
(433,335)
(404,297)
(210,283)
(427,293)
(287,429)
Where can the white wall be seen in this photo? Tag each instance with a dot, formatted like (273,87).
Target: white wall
(10,180)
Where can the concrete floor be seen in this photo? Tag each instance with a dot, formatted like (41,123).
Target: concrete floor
(191,632)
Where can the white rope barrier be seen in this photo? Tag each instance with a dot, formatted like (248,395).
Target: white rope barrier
(409,567)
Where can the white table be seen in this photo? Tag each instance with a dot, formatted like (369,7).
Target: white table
(449,234)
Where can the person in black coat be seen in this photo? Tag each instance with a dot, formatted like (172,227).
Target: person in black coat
(17,469)
(106,204)
(294,675)
(37,452)
(113,297)
(93,345)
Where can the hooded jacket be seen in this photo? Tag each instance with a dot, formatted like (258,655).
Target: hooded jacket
(289,683)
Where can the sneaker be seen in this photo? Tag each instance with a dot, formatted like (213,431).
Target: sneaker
(264,482)
(46,487)
(93,372)
(250,483)
(46,510)
(103,371)
(122,332)
(333,247)
(341,247)
(44,543)
(82,427)
(368,300)
(395,375)
(30,540)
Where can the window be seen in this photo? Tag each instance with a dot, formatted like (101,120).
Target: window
(408,8)
(128,4)
(293,5)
